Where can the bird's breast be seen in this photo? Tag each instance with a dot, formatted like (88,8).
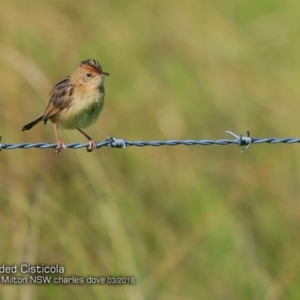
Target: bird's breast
(84,110)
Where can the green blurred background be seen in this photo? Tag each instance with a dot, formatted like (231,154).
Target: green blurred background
(188,222)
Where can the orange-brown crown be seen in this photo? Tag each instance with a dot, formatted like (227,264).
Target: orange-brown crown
(93,64)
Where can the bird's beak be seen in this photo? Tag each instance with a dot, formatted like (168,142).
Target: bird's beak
(105,74)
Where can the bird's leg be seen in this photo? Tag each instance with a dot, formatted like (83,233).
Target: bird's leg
(92,143)
(60,145)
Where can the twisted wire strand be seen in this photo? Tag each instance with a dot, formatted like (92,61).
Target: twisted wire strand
(239,140)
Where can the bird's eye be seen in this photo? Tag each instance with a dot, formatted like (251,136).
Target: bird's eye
(88,74)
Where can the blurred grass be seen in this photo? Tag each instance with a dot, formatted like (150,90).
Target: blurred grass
(187,222)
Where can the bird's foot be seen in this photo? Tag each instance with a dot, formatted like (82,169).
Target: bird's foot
(92,146)
(60,147)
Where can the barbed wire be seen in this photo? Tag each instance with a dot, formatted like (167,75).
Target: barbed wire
(112,142)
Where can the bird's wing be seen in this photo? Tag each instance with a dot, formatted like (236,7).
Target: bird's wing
(60,98)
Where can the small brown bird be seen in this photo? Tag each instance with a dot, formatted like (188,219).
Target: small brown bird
(75,102)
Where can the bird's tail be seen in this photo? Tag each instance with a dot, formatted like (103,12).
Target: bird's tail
(32,123)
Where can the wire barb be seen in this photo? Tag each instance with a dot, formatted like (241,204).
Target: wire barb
(242,140)
(116,143)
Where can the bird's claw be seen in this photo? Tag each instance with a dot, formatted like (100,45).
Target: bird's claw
(60,147)
(92,146)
